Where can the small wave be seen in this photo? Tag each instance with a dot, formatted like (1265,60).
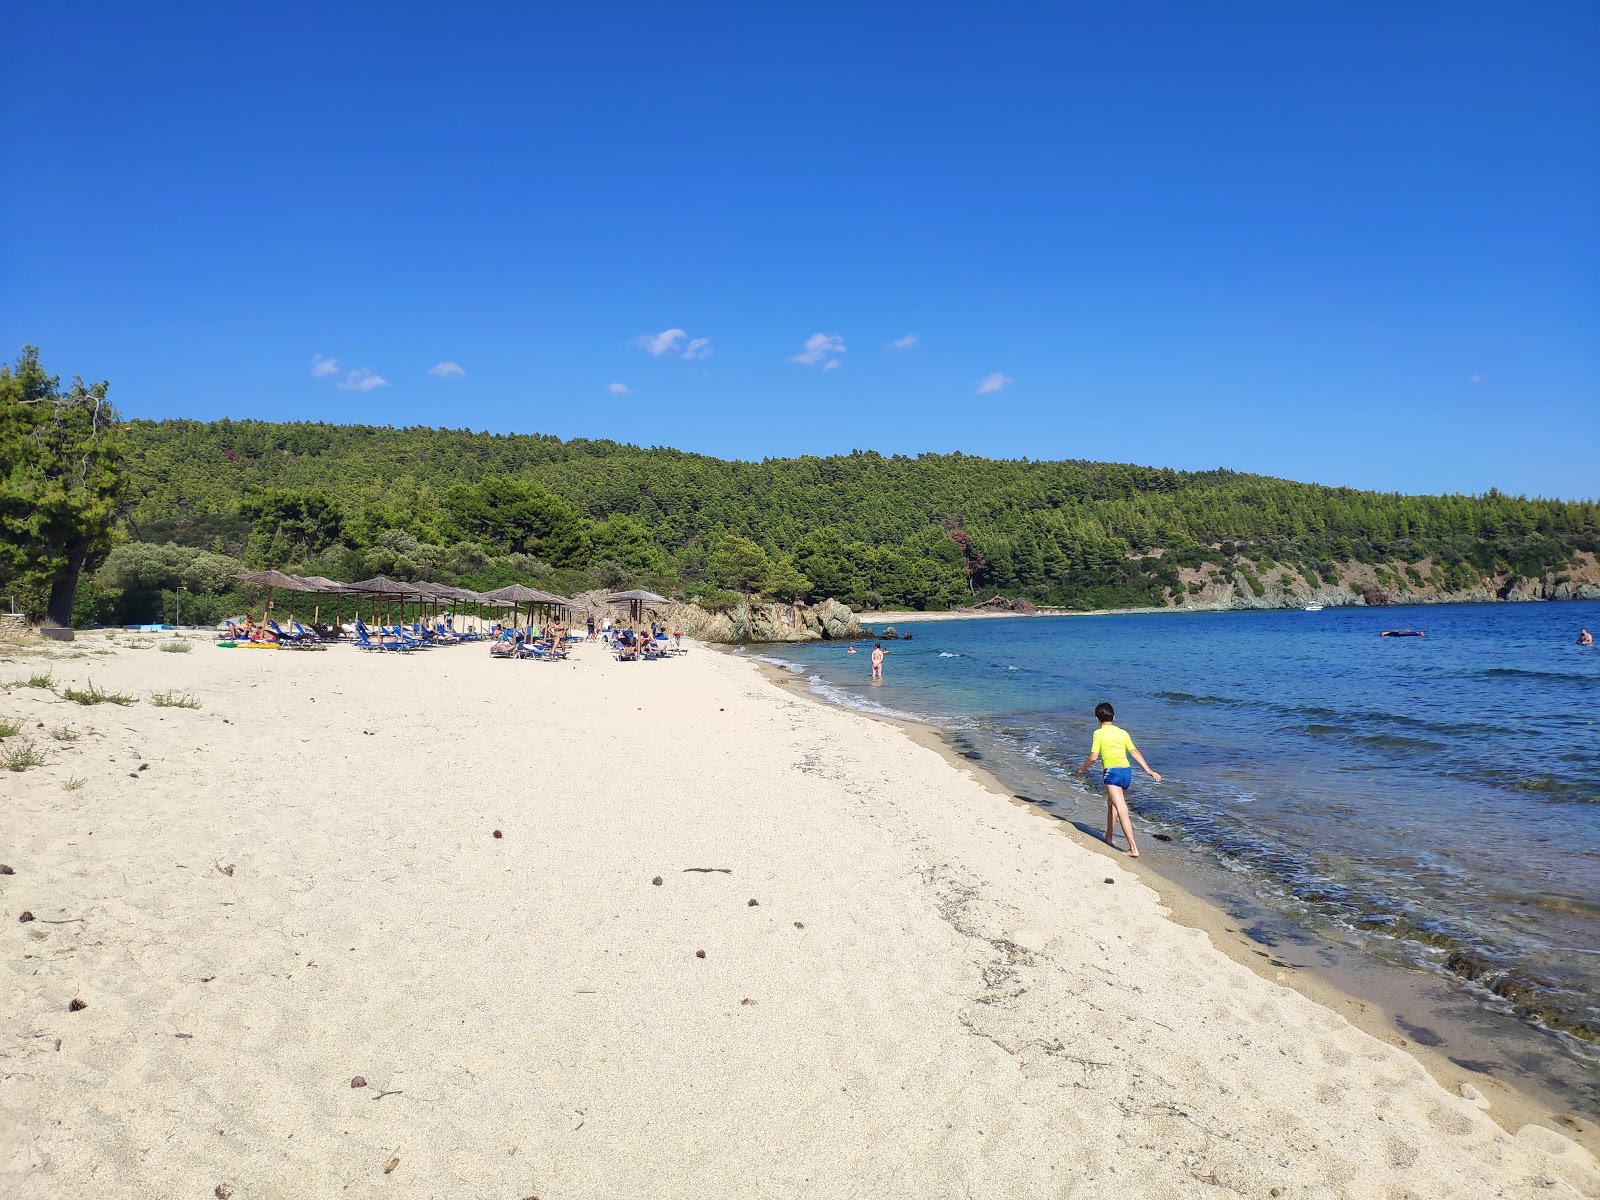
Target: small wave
(1394,741)
(846,699)
(947,654)
(1524,673)
(1190,698)
(1338,731)
(773,660)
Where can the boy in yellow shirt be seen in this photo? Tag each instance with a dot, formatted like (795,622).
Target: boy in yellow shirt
(1112,746)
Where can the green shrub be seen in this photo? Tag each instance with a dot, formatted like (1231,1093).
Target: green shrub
(173,700)
(95,695)
(9,727)
(21,757)
(176,646)
(63,734)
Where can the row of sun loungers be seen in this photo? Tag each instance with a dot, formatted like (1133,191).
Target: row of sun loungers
(643,649)
(404,639)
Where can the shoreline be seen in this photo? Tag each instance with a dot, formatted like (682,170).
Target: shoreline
(915,617)
(447,925)
(1514,1104)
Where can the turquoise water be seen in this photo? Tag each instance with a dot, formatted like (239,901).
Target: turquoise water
(1435,799)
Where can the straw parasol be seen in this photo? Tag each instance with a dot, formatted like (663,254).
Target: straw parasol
(518,594)
(636,600)
(381,587)
(272,581)
(322,585)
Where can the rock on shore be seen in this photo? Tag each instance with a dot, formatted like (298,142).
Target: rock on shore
(827,621)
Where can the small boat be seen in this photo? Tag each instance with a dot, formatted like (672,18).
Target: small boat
(1313,608)
(1402,633)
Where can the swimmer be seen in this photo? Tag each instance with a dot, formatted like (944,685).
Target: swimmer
(1112,746)
(1585,638)
(852,650)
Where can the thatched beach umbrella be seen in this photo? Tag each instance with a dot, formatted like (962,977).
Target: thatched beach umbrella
(272,581)
(636,600)
(517,594)
(380,588)
(323,585)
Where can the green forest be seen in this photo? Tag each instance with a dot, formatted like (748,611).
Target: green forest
(924,532)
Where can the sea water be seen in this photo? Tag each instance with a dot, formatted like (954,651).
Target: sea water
(1432,800)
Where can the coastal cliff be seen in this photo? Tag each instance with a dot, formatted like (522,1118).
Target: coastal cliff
(1246,584)
(747,622)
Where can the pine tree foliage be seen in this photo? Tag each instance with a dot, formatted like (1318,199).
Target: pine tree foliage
(924,531)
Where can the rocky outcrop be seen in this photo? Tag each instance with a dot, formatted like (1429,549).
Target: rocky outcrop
(828,621)
(1242,584)
(999,603)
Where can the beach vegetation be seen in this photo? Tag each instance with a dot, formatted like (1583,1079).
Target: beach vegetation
(785,581)
(176,646)
(739,565)
(173,699)
(10,727)
(74,784)
(39,679)
(923,532)
(65,485)
(92,694)
(62,734)
(21,756)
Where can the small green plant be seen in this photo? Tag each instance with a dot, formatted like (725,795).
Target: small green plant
(173,700)
(63,734)
(176,646)
(9,727)
(21,756)
(75,783)
(135,645)
(39,679)
(95,695)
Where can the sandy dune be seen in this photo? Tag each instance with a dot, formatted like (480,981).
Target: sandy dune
(934,994)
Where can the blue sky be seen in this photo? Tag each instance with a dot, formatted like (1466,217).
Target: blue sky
(1349,243)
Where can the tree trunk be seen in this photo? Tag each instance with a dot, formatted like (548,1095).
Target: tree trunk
(65,588)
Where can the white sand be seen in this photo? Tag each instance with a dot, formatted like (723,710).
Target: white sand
(969,1009)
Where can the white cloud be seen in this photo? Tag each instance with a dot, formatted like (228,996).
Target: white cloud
(322,367)
(905,343)
(361,380)
(992,383)
(823,348)
(660,343)
(618,389)
(668,342)
(1476,378)
(447,370)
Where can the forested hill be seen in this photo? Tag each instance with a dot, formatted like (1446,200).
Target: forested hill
(928,531)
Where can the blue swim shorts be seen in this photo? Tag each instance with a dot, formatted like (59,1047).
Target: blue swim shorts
(1121,777)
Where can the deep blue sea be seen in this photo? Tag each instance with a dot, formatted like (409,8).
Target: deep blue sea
(1434,799)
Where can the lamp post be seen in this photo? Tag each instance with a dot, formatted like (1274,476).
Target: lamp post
(177,600)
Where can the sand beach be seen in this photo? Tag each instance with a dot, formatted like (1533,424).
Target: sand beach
(727,942)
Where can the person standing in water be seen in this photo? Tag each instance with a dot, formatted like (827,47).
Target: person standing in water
(1585,638)
(877,659)
(1112,746)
